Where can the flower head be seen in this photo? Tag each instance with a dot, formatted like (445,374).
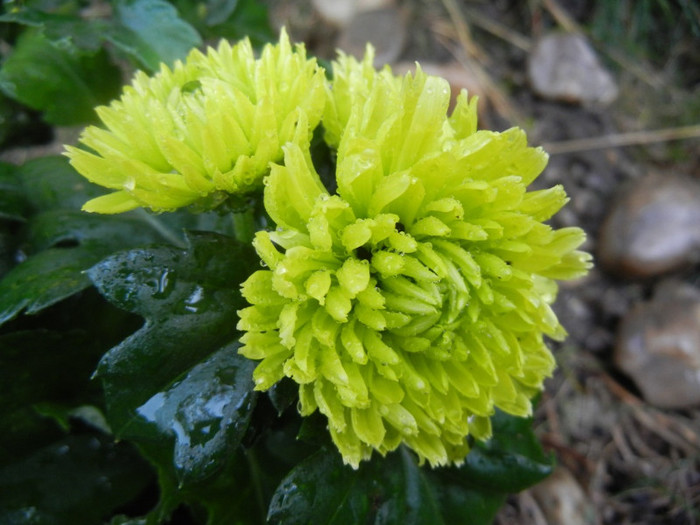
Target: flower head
(211,124)
(412,302)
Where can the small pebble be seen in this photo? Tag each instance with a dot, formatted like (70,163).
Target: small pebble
(336,12)
(341,12)
(654,228)
(384,28)
(564,67)
(563,501)
(659,347)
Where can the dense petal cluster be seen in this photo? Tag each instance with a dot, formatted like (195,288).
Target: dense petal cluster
(412,301)
(211,124)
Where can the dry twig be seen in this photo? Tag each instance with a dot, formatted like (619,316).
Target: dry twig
(633,138)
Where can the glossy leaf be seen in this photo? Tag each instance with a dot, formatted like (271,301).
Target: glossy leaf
(189,299)
(511,460)
(152,32)
(395,490)
(207,413)
(283,395)
(61,241)
(78,479)
(322,490)
(45,279)
(56,273)
(64,85)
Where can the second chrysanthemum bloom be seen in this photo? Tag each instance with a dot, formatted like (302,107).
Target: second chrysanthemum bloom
(413,301)
(212,123)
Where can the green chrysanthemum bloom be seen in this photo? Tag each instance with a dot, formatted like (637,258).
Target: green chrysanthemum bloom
(211,124)
(415,300)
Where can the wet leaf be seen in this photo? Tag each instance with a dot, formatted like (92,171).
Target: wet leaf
(511,460)
(322,490)
(62,242)
(283,394)
(395,490)
(189,299)
(51,275)
(45,279)
(207,413)
(65,86)
(152,32)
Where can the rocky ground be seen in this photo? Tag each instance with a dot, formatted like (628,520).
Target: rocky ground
(622,413)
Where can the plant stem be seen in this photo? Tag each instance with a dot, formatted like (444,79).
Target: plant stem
(161,228)
(244,225)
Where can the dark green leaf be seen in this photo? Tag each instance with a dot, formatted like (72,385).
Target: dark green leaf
(46,278)
(54,274)
(63,30)
(207,413)
(460,502)
(219,11)
(23,431)
(321,490)
(284,394)
(511,460)
(13,204)
(395,490)
(152,32)
(51,182)
(231,19)
(72,241)
(65,86)
(189,299)
(61,227)
(79,479)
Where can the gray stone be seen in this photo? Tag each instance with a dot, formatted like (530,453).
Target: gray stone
(659,347)
(653,228)
(563,501)
(563,66)
(336,12)
(341,12)
(384,28)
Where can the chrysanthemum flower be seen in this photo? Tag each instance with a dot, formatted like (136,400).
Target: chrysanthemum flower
(412,302)
(211,124)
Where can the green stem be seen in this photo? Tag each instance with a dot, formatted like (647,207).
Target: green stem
(244,225)
(161,228)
